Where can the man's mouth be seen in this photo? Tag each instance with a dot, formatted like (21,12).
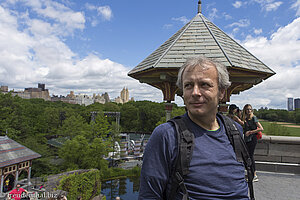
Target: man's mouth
(197,103)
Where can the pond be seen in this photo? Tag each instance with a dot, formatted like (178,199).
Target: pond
(126,189)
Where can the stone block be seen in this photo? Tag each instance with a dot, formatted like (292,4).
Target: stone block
(284,150)
(267,158)
(288,159)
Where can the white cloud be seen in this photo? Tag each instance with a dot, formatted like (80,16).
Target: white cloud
(182,19)
(281,52)
(64,17)
(213,14)
(237,4)
(37,53)
(227,16)
(269,5)
(104,11)
(296,6)
(167,26)
(240,23)
(235,30)
(257,31)
(273,6)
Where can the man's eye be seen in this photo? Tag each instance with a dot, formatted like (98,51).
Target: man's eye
(206,85)
(187,85)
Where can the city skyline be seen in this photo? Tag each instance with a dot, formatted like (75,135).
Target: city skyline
(6,87)
(88,45)
(42,92)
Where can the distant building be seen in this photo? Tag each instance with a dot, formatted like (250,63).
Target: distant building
(71,95)
(40,92)
(118,100)
(124,97)
(4,89)
(30,93)
(104,98)
(83,99)
(297,103)
(290,106)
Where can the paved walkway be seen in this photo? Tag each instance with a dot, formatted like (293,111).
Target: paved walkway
(276,186)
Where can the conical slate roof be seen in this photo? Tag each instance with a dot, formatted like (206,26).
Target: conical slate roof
(12,152)
(202,37)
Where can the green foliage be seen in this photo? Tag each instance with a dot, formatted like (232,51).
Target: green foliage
(111,107)
(73,125)
(297,116)
(87,185)
(129,117)
(31,122)
(113,173)
(278,115)
(141,115)
(177,111)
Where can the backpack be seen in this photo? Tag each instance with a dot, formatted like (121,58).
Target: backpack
(185,142)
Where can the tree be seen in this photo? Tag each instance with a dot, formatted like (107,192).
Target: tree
(74,125)
(111,107)
(100,127)
(297,116)
(177,111)
(75,153)
(129,117)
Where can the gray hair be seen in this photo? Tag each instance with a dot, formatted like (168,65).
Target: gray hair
(223,75)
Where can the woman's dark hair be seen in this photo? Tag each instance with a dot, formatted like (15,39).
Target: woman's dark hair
(232,107)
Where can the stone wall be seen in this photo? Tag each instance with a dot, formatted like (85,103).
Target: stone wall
(278,154)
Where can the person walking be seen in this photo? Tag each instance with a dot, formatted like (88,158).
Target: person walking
(214,172)
(251,128)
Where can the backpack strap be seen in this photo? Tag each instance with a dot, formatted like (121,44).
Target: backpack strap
(240,149)
(185,145)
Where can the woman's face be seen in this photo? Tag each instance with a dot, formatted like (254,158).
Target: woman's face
(234,111)
(248,110)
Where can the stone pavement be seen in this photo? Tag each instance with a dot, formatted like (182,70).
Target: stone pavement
(275,186)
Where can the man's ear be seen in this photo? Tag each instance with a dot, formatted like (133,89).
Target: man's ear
(221,94)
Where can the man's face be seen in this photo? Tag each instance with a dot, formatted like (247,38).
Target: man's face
(200,90)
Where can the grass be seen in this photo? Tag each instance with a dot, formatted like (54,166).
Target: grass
(272,128)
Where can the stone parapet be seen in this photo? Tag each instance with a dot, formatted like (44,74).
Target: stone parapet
(278,154)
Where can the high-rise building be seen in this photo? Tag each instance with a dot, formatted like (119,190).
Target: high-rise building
(297,103)
(290,106)
(125,95)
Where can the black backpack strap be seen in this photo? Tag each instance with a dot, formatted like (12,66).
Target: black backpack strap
(185,145)
(240,149)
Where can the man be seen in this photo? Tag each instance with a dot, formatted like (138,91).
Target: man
(214,171)
(16,194)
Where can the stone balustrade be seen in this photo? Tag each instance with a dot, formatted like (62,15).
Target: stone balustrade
(278,154)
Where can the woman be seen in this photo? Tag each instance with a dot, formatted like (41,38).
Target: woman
(233,113)
(251,127)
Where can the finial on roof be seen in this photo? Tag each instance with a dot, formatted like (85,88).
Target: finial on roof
(199,6)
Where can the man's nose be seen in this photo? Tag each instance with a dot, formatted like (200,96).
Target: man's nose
(196,90)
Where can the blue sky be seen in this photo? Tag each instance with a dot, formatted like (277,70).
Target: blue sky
(89,46)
